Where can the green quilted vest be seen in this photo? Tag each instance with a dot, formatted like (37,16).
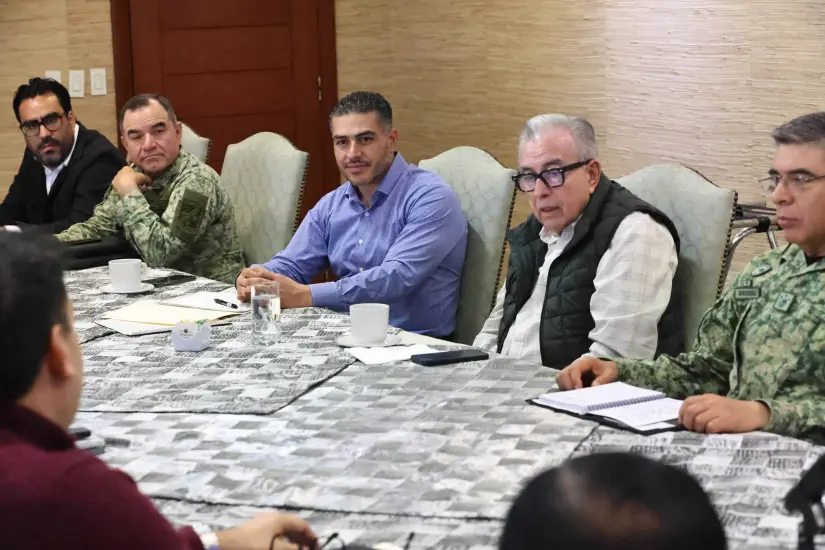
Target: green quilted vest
(566,321)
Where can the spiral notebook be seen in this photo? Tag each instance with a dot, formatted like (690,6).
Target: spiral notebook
(618,404)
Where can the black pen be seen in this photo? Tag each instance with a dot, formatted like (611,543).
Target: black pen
(225,303)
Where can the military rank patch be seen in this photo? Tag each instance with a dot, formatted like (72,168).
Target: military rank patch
(748,293)
(761,270)
(784,302)
(189,215)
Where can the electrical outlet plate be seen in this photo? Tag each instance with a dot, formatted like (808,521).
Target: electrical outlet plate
(97,81)
(77,83)
(55,75)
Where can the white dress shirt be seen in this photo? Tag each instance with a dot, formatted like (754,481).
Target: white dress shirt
(51,174)
(632,290)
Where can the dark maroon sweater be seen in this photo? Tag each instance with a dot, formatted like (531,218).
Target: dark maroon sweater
(54,495)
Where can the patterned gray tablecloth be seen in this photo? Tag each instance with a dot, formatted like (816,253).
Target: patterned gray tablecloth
(372,452)
(454,441)
(145,373)
(369,529)
(90,303)
(746,475)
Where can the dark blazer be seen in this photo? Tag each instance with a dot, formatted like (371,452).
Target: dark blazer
(77,190)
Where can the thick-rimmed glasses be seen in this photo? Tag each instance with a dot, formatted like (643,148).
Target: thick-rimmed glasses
(52,122)
(794,182)
(552,177)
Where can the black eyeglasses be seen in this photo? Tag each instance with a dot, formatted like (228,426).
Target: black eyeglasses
(52,122)
(552,177)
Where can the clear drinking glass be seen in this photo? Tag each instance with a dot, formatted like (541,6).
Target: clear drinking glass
(266,313)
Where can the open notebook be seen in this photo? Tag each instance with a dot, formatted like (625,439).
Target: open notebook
(618,404)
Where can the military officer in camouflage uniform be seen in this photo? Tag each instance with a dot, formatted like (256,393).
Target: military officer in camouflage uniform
(169,205)
(759,359)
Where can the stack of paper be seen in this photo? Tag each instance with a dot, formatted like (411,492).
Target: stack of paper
(149,317)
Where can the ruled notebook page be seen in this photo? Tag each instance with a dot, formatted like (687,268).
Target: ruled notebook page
(594,399)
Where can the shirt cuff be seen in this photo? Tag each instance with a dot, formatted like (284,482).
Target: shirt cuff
(325,295)
(12,228)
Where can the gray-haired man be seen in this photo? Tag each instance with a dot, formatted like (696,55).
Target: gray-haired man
(591,270)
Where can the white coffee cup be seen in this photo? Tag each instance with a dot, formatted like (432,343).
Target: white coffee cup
(369,323)
(125,275)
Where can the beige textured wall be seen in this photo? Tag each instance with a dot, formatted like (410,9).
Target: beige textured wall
(700,82)
(52,35)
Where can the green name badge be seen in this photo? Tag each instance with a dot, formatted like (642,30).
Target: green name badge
(750,293)
(784,302)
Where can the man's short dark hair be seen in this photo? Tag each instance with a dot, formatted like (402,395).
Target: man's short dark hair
(802,130)
(32,301)
(613,501)
(144,100)
(41,86)
(362,103)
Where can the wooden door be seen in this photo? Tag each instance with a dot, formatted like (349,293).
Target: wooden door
(232,69)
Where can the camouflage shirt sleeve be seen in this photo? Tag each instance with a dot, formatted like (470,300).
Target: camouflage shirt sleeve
(705,369)
(798,415)
(161,239)
(101,224)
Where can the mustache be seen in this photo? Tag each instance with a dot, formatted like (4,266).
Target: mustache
(49,141)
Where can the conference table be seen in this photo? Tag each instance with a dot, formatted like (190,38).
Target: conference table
(372,453)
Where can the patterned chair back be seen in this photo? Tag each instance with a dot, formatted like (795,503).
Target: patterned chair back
(487,195)
(194,144)
(703,215)
(265,177)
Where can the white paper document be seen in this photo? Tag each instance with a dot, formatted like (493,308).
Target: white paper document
(155,313)
(643,414)
(206,300)
(379,356)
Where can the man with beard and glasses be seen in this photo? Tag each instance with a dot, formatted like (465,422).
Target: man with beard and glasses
(393,233)
(169,205)
(66,168)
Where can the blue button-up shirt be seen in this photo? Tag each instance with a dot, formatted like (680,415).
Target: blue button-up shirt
(406,250)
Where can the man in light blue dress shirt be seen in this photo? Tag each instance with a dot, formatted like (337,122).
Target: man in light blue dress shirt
(392,234)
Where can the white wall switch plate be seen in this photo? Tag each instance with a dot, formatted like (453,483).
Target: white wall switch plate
(55,75)
(97,81)
(77,83)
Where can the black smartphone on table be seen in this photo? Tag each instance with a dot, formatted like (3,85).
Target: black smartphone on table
(170,280)
(449,357)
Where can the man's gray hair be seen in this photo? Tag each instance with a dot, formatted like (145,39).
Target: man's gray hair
(583,133)
(802,130)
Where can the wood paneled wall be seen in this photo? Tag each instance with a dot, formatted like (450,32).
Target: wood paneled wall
(695,81)
(701,82)
(52,35)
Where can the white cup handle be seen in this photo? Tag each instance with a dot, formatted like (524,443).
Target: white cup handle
(144,269)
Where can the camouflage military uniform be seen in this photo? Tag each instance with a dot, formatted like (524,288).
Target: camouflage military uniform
(184,221)
(763,340)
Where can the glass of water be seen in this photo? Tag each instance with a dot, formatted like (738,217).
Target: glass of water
(266,313)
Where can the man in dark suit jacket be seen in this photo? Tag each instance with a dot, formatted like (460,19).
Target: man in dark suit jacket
(66,167)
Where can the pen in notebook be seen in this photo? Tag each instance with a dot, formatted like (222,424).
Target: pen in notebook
(225,303)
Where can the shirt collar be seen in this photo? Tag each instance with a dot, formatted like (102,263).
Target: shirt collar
(548,237)
(34,428)
(65,162)
(397,169)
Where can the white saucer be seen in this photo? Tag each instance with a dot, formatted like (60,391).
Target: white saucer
(348,341)
(144,287)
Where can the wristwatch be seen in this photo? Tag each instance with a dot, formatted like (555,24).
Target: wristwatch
(210,541)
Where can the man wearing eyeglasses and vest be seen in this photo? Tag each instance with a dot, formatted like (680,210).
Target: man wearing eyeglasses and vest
(66,167)
(760,350)
(591,270)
